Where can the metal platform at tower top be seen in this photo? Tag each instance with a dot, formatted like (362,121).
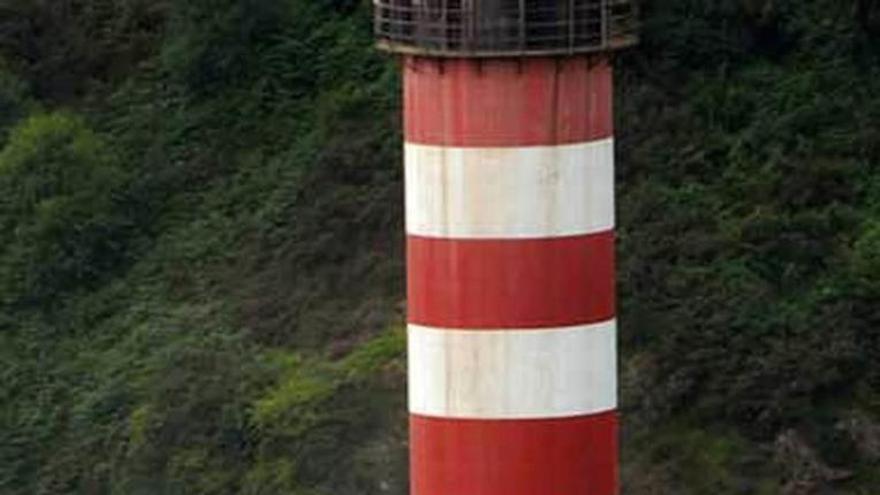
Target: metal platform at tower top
(500,28)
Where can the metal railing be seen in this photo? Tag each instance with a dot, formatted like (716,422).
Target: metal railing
(504,27)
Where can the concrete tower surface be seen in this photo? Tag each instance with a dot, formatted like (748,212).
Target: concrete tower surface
(510,242)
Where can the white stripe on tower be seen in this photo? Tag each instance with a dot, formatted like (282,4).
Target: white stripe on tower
(531,192)
(510,236)
(521,374)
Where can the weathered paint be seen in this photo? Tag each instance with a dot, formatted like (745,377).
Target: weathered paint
(510,240)
(513,374)
(511,283)
(496,103)
(529,192)
(568,456)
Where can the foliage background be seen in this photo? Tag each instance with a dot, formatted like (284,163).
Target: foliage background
(201,267)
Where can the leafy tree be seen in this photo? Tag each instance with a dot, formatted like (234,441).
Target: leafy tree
(13,101)
(60,215)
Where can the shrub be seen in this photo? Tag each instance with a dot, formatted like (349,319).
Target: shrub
(64,47)
(13,102)
(60,214)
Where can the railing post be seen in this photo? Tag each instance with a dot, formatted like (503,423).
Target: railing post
(604,15)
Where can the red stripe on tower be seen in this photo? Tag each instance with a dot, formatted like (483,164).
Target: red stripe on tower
(516,457)
(499,103)
(511,283)
(510,226)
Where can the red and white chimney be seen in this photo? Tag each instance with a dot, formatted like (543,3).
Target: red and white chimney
(510,238)
(509,166)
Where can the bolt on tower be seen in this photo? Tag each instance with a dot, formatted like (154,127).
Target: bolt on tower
(509,165)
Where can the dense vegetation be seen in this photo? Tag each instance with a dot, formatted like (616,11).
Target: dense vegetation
(201,271)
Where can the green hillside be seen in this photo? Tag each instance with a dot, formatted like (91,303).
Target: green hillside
(201,273)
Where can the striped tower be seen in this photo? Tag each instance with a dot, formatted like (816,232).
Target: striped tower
(510,235)
(509,166)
